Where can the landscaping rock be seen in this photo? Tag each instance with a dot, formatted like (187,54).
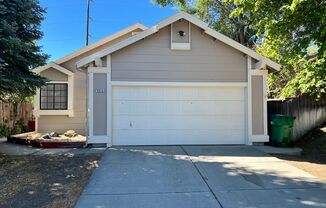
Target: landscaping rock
(70,133)
(47,136)
(54,134)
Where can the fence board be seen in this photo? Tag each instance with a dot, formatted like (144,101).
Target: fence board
(309,113)
(24,112)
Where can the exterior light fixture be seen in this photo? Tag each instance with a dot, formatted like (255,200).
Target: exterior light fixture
(181,33)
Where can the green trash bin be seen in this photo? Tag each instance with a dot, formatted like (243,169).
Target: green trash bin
(281,126)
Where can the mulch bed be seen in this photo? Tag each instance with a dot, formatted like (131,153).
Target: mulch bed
(44,180)
(34,139)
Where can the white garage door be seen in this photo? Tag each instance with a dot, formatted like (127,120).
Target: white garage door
(178,115)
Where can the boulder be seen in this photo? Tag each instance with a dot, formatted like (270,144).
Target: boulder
(54,134)
(46,136)
(70,133)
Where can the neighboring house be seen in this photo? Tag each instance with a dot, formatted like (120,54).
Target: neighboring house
(179,82)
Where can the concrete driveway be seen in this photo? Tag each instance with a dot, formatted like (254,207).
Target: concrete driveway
(199,177)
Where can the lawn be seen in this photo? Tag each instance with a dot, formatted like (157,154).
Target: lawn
(313,158)
(44,180)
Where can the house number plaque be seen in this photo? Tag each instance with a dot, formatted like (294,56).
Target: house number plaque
(99,91)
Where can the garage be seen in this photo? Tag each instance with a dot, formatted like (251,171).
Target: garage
(177,83)
(170,115)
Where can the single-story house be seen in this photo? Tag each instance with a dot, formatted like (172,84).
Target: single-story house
(178,82)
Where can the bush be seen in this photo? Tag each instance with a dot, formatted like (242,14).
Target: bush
(5,131)
(19,127)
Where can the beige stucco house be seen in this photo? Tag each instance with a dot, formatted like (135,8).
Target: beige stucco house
(178,82)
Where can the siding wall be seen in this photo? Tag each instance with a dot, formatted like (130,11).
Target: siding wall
(152,59)
(64,123)
(79,121)
(54,75)
(257,105)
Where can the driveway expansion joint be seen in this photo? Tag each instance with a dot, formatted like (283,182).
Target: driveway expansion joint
(146,193)
(203,177)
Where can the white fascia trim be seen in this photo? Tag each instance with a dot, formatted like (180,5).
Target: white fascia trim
(168,21)
(92,46)
(146,33)
(116,47)
(38,113)
(259,138)
(179,84)
(263,62)
(101,42)
(182,15)
(55,66)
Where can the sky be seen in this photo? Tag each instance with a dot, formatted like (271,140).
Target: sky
(65,21)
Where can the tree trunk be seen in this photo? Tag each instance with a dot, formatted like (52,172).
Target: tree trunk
(242,35)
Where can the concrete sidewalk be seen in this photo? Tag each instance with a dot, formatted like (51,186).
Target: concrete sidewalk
(17,149)
(199,176)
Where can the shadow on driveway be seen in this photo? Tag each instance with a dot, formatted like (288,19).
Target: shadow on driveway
(199,176)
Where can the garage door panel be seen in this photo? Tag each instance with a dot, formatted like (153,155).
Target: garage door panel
(177,93)
(177,122)
(159,137)
(169,107)
(178,115)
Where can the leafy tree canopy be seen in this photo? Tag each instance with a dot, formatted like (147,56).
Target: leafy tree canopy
(223,16)
(294,34)
(19,30)
(291,32)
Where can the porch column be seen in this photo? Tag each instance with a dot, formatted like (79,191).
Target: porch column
(257,104)
(99,104)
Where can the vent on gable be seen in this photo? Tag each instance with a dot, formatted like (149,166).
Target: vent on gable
(180,35)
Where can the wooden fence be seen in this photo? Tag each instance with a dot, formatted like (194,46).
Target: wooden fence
(309,113)
(9,114)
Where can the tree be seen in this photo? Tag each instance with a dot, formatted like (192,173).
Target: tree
(294,34)
(19,30)
(285,31)
(223,16)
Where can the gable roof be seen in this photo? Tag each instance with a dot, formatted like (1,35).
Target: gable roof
(92,46)
(55,66)
(168,21)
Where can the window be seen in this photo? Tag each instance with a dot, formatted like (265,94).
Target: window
(54,97)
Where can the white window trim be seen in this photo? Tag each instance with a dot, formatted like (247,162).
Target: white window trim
(69,112)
